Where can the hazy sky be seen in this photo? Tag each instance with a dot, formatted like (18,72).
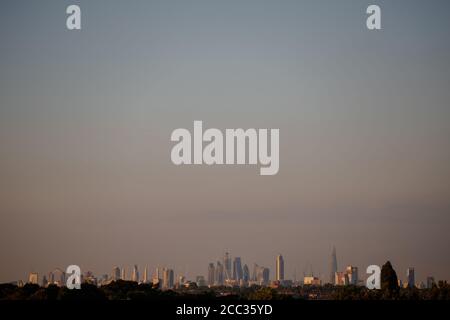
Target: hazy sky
(86,117)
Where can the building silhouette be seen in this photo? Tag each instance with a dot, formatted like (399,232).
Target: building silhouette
(333,266)
(115,275)
(211,274)
(279,276)
(227,266)
(410,277)
(237,269)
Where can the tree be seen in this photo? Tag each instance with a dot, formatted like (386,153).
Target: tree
(389,281)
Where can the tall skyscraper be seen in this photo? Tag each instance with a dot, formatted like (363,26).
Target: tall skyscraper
(237,269)
(255,272)
(168,279)
(123,275)
(211,274)
(333,267)
(135,274)
(246,274)
(410,277)
(265,276)
(227,266)
(279,268)
(145,280)
(352,275)
(115,275)
(219,274)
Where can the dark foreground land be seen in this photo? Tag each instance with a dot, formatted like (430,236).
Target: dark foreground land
(128,290)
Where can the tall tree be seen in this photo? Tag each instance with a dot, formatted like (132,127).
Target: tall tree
(389,281)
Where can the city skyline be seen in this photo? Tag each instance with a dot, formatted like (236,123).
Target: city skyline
(217,275)
(86,118)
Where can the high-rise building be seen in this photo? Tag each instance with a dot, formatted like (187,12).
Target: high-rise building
(333,267)
(123,274)
(51,278)
(279,276)
(219,274)
(135,274)
(246,274)
(181,280)
(262,275)
(168,279)
(211,274)
(352,275)
(311,281)
(115,275)
(341,279)
(265,276)
(237,269)
(145,280)
(227,266)
(430,282)
(33,278)
(44,281)
(255,272)
(410,277)
(157,277)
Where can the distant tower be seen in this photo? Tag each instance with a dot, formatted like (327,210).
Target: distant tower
(135,274)
(227,266)
(168,279)
(211,274)
(237,269)
(410,277)
(219,274)
(265,276)
(334,267)
(246,274)
(115,274)
(145,280)
(33,278)
(279,276)
(123,274)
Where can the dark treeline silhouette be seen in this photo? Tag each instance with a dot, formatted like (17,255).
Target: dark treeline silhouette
(127,290)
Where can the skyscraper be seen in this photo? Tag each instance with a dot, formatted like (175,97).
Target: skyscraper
(115,275)
(123,274)
(410,277)
(237,269)
(352,275)
(279,268)
(246,274)
(211,274)
(265,276)
(145,280)
(168,279)
(333,268)
(219,274)
(255,272)
(227,266)
(135,274)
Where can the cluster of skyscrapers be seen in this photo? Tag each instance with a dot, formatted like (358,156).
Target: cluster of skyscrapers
(231,272)
(227,271)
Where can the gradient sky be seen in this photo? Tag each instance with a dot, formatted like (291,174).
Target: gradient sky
(86,117)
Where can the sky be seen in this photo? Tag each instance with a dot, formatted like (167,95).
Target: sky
(86,117)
